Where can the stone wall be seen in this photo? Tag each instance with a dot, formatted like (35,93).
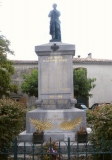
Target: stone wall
(22,67)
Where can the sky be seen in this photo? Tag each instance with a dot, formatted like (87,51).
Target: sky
(85,23)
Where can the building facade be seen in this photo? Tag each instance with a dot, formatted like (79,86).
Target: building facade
(101,70)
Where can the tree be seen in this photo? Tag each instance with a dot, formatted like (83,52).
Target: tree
(30,84)
(12,119)
(6,68)
(82,84)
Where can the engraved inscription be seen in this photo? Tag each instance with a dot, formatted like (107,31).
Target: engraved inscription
(55,101)
(55,96)
(55,59)
(55,76)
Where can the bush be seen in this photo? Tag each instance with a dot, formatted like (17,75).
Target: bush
(12,119)
(101,125)
(101,120)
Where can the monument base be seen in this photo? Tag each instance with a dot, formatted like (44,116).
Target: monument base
(28,137)
(64,123)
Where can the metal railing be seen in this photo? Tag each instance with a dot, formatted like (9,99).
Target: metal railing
(62,150)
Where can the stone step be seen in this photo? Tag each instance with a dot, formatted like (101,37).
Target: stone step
(57,136)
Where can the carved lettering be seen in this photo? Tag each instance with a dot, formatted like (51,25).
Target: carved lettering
(54,77)
(55,59)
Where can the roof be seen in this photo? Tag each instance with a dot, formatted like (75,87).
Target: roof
(92,61)
(25,62)
(75,60)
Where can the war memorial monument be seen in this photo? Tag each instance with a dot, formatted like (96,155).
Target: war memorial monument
(56,104)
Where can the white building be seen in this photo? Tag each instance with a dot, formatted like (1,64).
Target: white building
(101,69)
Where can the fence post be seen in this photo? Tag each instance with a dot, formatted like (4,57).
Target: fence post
(15,149)
(68,148)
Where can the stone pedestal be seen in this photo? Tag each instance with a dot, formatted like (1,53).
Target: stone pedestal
(55,73)
(55,118)
(56,103)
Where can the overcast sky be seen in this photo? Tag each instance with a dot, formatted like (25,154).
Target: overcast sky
(85,23)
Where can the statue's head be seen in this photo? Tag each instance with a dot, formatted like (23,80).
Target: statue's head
(54,5)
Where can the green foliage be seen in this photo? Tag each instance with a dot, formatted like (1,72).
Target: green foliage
(6,69)
(101,125)
(101,120)
(30,84)
(82,84)
(12,118)
(4,45)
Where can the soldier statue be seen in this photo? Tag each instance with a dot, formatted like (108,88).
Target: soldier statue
(55,31)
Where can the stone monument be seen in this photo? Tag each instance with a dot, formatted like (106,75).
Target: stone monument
(56,103)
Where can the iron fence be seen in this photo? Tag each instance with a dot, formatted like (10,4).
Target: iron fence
(58,150)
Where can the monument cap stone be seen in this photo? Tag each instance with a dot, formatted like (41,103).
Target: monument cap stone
(46,49)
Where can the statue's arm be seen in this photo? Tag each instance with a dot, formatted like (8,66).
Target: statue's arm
(50,13)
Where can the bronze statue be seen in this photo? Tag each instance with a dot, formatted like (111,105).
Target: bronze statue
(55,25)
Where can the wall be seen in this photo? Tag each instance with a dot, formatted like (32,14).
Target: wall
(103,89)
(20,68)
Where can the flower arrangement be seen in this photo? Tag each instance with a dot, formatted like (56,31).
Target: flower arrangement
(82,130)
(51,149)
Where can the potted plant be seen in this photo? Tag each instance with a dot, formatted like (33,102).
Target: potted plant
(40,126)
(82,136)
(38,135)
